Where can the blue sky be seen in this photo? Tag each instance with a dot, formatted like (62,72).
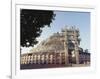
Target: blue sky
(80,19)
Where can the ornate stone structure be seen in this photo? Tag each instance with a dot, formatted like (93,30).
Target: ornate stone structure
(60,48)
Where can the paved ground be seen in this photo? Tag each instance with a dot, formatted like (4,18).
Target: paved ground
(39,66)
(80,65)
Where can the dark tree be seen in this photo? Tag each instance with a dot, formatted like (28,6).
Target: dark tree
(32,22)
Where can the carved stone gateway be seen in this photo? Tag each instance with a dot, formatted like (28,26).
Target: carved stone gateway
(71,45)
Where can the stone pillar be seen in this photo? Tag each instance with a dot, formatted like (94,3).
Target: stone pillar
(38,59)
(55,58)
(35,59)
(76,47)
(43,59)
(46,58)
(51,59)
(26,60)
(32,59)
(60,58)
(77,54)
(66,48)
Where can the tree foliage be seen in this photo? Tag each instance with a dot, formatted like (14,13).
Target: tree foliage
(32,22)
